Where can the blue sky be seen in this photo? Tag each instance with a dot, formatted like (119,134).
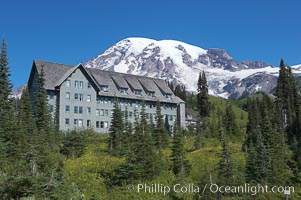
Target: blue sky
(71,32)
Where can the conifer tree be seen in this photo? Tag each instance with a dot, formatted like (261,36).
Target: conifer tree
(5,104)
(180,166)
(41,110)
(230,121)
(203,99)
(251,165)
(116,130)
(5,84)
(225,166)
(160,135)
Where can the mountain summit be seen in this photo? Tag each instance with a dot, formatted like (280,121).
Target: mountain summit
(180,63)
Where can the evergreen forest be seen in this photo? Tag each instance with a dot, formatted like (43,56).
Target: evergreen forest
(253,140)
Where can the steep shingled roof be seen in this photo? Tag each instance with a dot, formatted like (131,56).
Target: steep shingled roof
(55,74)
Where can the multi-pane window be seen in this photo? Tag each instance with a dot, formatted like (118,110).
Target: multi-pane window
(51,95)
(67,121)
(88,110)
(89,98)
(67,108)
(137,92)
(102,112)
(80,110)
(76,84)
(123,90)
(81,97)
(76,96)
(97,124)
(104,88)
(75,109)
(75,122)
(81,84)
(130,114)
(151,94)
(168,96)
(97,112)
(67,95)
(89,85)
(68,83)
(105,124)
(101,124)
(106,112)
(80,123)
(88,123)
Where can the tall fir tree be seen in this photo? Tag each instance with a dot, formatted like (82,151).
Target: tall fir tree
(180,165)
(230,124)
(5,84)
(225,165)
(116,130)
(203,99)
(160,134)
(5,103)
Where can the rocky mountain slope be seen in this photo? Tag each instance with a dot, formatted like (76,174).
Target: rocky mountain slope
(181,63)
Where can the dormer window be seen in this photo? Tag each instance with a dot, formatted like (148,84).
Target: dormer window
(123,90)
(104,88)
(137,92)
(168,96)
(151,94)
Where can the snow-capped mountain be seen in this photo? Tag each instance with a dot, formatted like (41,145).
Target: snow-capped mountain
(181,63)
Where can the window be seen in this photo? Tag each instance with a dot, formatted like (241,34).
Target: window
(67,121)
(106,112)
(88,123)
(137,92)
(171,117)
(102,112)
(105,124)
(51,95)
(99,99)
(123,90)
(81,97)
(81,84)
(67,108)
(50,108)
(76,84)
(80,123)
(130,114)
(75,109)
(67,95)
(168,96)
(97,112)
(88,110)
(75,122)
(101,124)
(97,124)
(76,96)
(68,83)
(151,94)
(89,85)
(104,88)
(89,98)
(80,110)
